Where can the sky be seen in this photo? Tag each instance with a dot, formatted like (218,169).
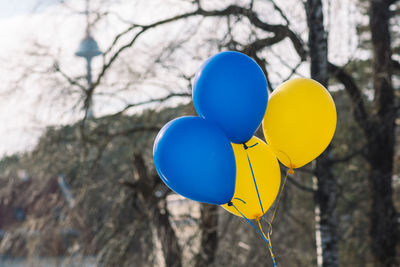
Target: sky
(24,7)
(17,129)
(26,109)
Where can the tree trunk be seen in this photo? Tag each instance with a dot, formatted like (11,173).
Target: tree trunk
(157,213)
(325,198)
(325,195)
(381,139)
(166,234)
(209,235)
(379,128)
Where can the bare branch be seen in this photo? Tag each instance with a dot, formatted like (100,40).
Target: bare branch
(262,43)
(118,36)
(300,186)
(280,31)
(68,78)
(255,20)
(150,101)
(294,70)
(143,28)
(277,8)
(262,63)
(349,156)
(127,132)
(251,4)
(355,95)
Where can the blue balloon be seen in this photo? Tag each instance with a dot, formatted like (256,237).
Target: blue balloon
(231,90)
(195,159)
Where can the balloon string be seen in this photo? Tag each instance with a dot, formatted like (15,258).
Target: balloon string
(258,231)
(255,184)
(291,171)
(240,200)
(258,194)
(267,237)
(246,147)
(279,198)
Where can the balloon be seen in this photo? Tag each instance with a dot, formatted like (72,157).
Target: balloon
(195,159)
(300,121)
(267,175)
(230,89)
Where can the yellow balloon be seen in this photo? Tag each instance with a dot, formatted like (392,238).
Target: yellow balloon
(300,121)
(267,175)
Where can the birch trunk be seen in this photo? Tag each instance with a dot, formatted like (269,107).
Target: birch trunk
(325,194)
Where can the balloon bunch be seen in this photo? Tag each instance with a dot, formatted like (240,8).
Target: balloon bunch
(214,158)
(194,155)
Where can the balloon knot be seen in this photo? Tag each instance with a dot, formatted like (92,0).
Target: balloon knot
(230,204)
(291,171)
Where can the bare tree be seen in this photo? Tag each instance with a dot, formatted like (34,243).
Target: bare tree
(381,142)
(145,186)
(379,128)
(209,235)
(325,195)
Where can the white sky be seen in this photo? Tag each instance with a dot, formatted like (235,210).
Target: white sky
(23,7)
(28,108)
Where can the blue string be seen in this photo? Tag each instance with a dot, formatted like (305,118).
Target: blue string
(258,231)
(240,200)
(246,147)
(254,180)
(258,195)
(255,184)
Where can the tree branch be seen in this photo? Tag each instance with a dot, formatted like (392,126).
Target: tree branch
(261,43)
(349,156)
(69,79)
(355,95)
(126,132)
(262,63)
(255,20)
(150,101)
(300,186)
(280,31)
(280,11)
(159,214)
(144,28)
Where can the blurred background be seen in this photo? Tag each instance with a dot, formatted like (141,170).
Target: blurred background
(87,84)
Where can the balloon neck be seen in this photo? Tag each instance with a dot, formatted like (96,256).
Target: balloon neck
(230,204)
(290,171)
